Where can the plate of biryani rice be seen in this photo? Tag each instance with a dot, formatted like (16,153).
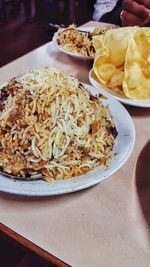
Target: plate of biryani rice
(58,135)
(78,42)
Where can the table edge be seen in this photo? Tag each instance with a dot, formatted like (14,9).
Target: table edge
(32,246)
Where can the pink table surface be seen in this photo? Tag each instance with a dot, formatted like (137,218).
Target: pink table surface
(100,226)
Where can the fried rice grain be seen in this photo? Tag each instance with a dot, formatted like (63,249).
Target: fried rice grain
(72,40)
(50,125)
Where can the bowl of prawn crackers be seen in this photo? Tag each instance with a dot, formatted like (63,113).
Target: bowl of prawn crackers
(122,64)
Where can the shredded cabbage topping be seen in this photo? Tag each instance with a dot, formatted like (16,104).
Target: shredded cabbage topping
(50,125)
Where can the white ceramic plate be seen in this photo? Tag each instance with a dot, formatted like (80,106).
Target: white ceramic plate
(87,29)
(117,95)
(121,152)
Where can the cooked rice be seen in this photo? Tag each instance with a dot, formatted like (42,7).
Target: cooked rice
(72,40)
(51,125)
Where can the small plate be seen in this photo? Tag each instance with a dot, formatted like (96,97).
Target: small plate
(119,95)
(86,29)
(122,150)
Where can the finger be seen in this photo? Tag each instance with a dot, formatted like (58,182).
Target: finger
(146,3)
(128,19)
(136,9)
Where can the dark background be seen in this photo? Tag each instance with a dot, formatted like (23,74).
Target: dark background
(18,36)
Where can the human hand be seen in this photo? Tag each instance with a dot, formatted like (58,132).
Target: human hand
(135,12)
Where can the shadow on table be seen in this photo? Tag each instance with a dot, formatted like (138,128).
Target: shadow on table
(142,181)
(141,191)
(138,111)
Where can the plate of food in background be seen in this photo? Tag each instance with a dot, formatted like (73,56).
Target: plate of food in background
(58,135)
(122,65)
(77,42)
